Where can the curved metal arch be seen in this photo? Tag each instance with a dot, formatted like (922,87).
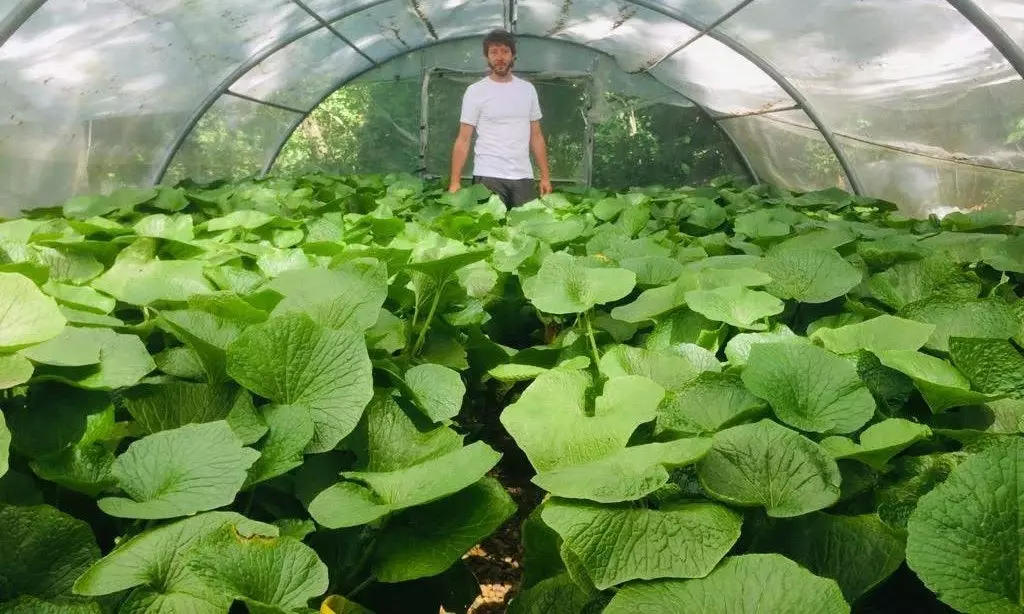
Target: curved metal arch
(17,18)
(340,83)
(238,73)
(844,162)
(728,41)
(991,30)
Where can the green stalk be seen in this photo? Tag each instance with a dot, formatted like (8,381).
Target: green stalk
(362,585)
(593,341)
(430,317)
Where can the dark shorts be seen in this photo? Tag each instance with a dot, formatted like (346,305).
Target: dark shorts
(513,192)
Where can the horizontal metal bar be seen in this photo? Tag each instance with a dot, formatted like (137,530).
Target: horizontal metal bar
(902,150)
(264,102)
(789,107)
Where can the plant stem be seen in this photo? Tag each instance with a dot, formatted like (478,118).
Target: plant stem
(426,323)
(593,341)
(362,585)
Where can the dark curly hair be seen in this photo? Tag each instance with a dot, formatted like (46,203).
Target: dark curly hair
(499,37)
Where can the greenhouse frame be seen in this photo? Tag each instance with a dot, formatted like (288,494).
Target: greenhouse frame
(916,103)
(735,327)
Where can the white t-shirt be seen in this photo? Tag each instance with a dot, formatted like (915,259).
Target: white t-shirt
(501,113)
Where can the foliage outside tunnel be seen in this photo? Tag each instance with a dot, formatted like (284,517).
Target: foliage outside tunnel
(373,127)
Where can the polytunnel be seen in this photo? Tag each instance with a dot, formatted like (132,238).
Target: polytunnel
(915,102)
(751,341)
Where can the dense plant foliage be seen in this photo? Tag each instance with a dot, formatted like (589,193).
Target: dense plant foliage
(270,392)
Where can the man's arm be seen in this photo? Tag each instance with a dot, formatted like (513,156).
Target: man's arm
(540,153)
(460,151)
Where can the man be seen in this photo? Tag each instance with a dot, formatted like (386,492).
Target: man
(505,112)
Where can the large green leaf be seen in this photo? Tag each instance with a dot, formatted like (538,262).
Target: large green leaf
(138,278)
(155,567)
(765,464)
(389,437)
(553,423)
(161,226)
(290,431)
(555,594)
(424,541)
(565,285)
(367,496)
(54,418)
(707,404)
(858,552)
(167,406)
(180,472)
(735,305)
(747,584)
(438,390)
(626,475)
(657,301)
(738,348)
(73,347)
(809,275)
(43,549)
(884,333)
(953,317)
(293,361)
(878,443)
(86,465)
(251,562)
(81,297)
(348,297)
(27,316)
(618,543)
(941,385)
(206,334)
(124,361)
(670,370)
(910,282)
(965,538)
(15,370)
(994,366)
(1007,256)
(809,388)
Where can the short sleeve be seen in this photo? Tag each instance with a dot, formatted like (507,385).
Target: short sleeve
(470,107)
(535,113)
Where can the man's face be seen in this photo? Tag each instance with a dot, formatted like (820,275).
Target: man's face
(499,58)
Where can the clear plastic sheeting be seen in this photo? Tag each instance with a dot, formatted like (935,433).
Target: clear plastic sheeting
(635,36)
(232,141)
(93,93)
(116,57)
(1009,14)
(720,79)
(385,30)
(275,79)
(923,186)
(785,153)
(914,74)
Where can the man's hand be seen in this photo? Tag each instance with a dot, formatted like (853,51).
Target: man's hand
(454,186)
(545,187)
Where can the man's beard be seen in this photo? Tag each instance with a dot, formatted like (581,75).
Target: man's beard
(503,71)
